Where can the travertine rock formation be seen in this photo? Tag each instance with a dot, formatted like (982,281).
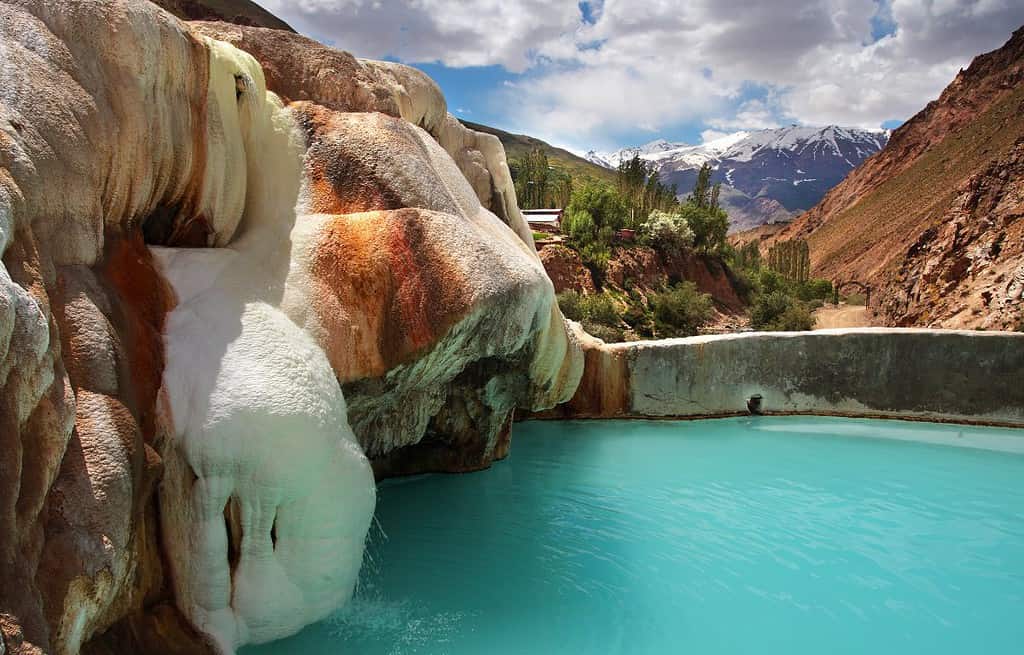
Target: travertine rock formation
(195,270)
(379,138)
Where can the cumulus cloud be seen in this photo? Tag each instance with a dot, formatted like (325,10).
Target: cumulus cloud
(457,34)
(610,97)
(712,135)
(651,64)
(751,115)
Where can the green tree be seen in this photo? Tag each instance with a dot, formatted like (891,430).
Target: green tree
(749,256)
(769,281)
(560,189)
(602,203)
(580,227)
(531,175)
(639,186)
(706,219)
(710,227)
(630,182)
(701,193)
(792,259)
(590,221)
(815,289)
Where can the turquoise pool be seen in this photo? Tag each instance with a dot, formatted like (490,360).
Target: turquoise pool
(772,536)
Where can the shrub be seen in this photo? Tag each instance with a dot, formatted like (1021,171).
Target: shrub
(816,289)
(777,311)
(604,332)
(579,226)
(769,281)
(679,311)
(666,231)
(742,282)
(795,319)
(768,308)
(637,318)
(856,299)
(569,303)
(595,257)
(598,308)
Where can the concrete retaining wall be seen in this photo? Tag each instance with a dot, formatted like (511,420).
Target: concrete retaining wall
(908,373)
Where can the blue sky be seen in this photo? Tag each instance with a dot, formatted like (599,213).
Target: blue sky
(479,94)
(471,92)
(608,73)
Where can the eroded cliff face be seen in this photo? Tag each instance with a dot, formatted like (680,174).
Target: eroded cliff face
(968,270)
(932,221)
(215,302)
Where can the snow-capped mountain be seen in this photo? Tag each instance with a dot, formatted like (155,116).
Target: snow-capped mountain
(767,175)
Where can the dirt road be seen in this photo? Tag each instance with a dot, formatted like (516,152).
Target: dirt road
(843,316)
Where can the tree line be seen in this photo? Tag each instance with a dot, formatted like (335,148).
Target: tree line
(637,200)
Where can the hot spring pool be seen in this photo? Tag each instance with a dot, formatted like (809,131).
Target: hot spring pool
(771,536)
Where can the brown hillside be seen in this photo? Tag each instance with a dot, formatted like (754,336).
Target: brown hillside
(518,145)
(761,233)
(240,12)
(932,220)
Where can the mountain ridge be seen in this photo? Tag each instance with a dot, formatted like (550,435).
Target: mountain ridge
(741,145)
(933,219)
(767,175)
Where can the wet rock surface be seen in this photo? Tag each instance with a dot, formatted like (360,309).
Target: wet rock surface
(190,280)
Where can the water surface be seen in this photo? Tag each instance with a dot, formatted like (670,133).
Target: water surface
(773,536)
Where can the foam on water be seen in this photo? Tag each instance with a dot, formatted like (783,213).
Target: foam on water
(777,535)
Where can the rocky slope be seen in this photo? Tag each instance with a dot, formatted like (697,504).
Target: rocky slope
(231,283)
(644,270)
(240,12)
(766,175)
(933,221)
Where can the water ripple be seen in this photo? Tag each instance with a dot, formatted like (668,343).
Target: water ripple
(777,536)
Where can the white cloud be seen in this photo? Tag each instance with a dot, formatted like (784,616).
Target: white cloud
(600,98)
(712,135)
(457,34)
(651,64)
(751,115)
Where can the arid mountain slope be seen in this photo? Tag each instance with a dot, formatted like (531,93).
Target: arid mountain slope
(933,220)
(240,12)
